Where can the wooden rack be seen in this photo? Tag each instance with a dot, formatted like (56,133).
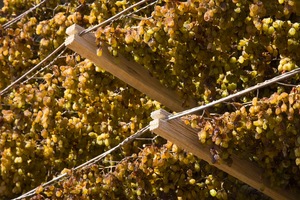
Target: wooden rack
(187,138)
(128,71)
(173,130)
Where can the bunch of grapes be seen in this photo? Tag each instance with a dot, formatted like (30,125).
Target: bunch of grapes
(67,115)
(191,47)
(66,120)
(74,111)
(265,132)
(165,172)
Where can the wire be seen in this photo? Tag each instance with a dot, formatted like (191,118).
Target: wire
(90,162)
(32,69)
(8,24)
(60,47)
(143,130)
(170,117)
(57,57)
(112,18)
(250,89)
(124,142)
(136,11)
(286,84)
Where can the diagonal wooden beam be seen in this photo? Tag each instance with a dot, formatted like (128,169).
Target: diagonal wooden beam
(128,71)
(187,138)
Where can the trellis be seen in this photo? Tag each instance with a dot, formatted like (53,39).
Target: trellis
(174,130)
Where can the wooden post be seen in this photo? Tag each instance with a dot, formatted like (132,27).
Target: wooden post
(128,71)
(187,138)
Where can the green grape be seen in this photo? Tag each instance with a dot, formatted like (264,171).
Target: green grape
(74,110)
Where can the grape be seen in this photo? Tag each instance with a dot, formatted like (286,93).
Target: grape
(258,126)
(74,110)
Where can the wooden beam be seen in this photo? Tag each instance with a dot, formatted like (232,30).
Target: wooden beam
(128,71)
(187,138)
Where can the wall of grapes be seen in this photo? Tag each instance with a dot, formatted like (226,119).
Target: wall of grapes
(205,49)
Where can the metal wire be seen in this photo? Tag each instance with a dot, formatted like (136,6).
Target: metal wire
(32,69)
(116,16)
(8,24)
(90,162)
(58,56)
(124,142)
(142,8)
(286,84)
(238,94)
(143,130)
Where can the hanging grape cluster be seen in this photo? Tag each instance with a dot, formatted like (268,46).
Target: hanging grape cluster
(74,110)
(67,114)
(210,49)
(165,172)
(266,132)
(64,121)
